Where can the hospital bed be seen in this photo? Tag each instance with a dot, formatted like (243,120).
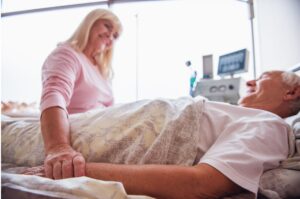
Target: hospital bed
(22,147)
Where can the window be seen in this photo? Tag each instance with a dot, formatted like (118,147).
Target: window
(149,61)
(19,5)
(160,36)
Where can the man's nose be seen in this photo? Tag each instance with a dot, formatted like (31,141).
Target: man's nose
(251,82)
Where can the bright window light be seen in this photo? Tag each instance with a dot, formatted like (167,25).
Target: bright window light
(149,60)
(20,5)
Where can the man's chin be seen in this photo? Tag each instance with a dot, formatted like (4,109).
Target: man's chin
(246,99)
(242,101)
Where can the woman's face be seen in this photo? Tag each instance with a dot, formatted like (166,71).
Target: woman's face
(102,36)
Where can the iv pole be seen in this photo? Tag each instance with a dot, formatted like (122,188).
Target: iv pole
(251,17)
(137,57)
(251,12)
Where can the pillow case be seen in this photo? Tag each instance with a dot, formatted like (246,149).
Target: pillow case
(284,181)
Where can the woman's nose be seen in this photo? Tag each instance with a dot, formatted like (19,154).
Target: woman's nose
(110,40)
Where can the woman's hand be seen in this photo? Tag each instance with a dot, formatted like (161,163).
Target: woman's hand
(64,162)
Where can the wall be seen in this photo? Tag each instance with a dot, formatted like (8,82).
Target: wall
(278,33)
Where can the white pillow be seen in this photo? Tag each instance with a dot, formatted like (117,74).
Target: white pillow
(294,121)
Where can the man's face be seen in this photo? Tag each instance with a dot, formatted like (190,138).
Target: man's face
(265,93)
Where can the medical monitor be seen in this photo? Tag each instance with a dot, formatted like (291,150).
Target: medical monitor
(207,66)
(234,62)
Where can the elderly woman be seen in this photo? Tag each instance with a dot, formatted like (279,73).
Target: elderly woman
(76,77)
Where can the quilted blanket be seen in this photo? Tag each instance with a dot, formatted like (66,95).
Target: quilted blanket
(143,132)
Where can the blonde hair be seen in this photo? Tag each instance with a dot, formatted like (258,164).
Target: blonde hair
(80,37)
(292,80)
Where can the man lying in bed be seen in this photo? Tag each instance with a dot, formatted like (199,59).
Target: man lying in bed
(239,143)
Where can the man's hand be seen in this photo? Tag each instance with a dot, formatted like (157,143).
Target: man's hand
(37,171)
(64,162)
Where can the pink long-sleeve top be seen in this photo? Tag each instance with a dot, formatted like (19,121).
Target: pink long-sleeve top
(72,82)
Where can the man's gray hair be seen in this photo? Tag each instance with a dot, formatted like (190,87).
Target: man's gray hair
(293,80)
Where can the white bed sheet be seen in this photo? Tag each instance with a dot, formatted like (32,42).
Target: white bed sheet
(71,188)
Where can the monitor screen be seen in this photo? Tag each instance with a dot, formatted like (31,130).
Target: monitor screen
(232,63)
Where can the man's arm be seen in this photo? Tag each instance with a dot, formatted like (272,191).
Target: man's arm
(62,161)
(166,181)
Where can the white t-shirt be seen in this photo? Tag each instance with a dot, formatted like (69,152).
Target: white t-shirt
(242,143)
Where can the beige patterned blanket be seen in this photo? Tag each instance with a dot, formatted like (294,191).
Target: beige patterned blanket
(158,131)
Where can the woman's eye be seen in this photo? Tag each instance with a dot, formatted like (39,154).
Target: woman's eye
(103,36)
(108,26)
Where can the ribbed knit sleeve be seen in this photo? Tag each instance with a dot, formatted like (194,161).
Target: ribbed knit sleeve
(58,78)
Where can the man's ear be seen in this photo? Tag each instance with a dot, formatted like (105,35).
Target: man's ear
(292,94)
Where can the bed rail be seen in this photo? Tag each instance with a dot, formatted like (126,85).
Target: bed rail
(295,68)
